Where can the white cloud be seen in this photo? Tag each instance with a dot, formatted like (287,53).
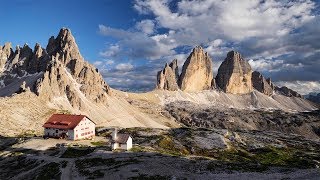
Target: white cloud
(138,44)
(124,67)
(113,50)
(109,62)
(266,65)
(97,63)
(302,87)
(147,26)
(229,19)
(279,37)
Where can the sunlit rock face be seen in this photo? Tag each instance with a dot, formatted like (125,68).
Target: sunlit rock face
(167,78)
(196,72)
(234,74)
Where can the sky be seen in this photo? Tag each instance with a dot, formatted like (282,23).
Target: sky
(129,41)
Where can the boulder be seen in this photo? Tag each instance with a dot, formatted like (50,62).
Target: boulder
(234,74)
(196,72)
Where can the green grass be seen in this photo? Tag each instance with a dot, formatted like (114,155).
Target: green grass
(261,159)
(99,143)
(137,149)
(75,152)
(168,146)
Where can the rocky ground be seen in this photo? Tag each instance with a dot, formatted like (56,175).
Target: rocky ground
(181,153)
(193,115)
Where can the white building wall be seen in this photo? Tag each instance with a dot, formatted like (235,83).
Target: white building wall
(129,143)
(84,130)
(115,146)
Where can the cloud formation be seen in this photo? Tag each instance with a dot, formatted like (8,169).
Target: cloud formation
(277,37)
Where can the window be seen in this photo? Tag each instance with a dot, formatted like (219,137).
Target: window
(57,131)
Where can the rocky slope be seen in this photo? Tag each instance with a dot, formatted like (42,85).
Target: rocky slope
(234,74)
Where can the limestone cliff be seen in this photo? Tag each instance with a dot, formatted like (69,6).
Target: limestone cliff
(261,84)
(167,78)
(234,74)
(196,72)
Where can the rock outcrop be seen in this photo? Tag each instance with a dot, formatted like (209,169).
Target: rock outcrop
(196,72)
(5,54)
(167,78)
(287,92)
(270,83)
(261,84)
(57,71)
(234,74)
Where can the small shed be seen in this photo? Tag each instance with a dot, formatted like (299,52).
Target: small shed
(121,141)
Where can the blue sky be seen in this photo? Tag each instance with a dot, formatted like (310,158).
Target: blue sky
(31,21)
(129,41)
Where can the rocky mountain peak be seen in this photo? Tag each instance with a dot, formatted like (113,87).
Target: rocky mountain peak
(234,74)
(287,92)
(167,78)
(58,70)
(197,73)
(261,84)
(64,46)
(174,67)
(5,53)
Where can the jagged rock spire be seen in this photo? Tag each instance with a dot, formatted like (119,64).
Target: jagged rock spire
(261,84)
(196,72)
(234,74)
(58,70)
(167,78)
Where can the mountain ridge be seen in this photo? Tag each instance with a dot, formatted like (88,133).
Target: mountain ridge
(57,79)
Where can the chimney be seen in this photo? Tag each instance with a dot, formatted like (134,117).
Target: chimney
(114,133)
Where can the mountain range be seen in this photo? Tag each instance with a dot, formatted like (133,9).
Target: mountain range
(35,83)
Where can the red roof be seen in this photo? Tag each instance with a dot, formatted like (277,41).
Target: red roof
(64,121)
